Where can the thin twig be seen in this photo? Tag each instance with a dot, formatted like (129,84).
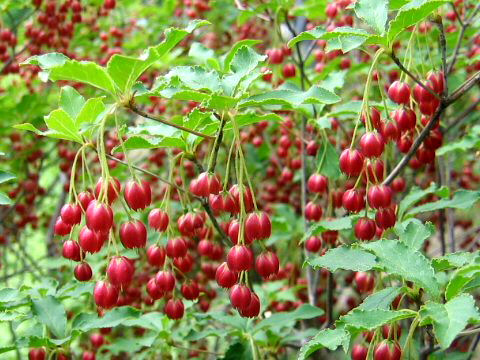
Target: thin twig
(142,113)
(465,87)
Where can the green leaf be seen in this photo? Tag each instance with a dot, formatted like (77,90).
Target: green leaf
(28,127)
(465,143)
(344,38)
(315,95)
(381,299)
(312,9)
(453,260)
(252,118)
(328,338)
(51,313)
(233,51)
(46,61)
(200,52)
(450,318)
(415,195)
(196,78)
(306,311)
(330,162)
(374,13)
(460,279)
(411,14)
(238,351)
(85,322)
(342,223)
(125,70)
(413,233)
(396,258)
(63,125)
(314,34)
(462,199)
(366,320)
(243,64)
(71,101)
(350,108)
(141,142)
(85,72)
(8,295)
(345,258)
(4,199)
(6,176)
(90,112)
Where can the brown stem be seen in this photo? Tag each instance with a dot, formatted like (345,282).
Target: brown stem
(462,89)
(468,111)
(142,113)
(412,76)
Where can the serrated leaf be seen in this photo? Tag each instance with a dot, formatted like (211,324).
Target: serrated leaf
(415,194)
(242,66)
(63,125)
(345,258)
(366,320)
(71,101)
(344,38)
(396,258)
(450,318)
(328,338)
(46,61)
(233,51)
(411,14)
(90,111)
(460,279)
(330,163)
(200,52)
(465,143)
(413,233)
(85,72)
(8,295)
(349,108)
(453,260)
(238,351)
(373,12)
(140,142)
(51,313)
(342,223)
(6,176)
(252,118)
(306,311)
(196,78)
(4,199)
(125,70)
(315,95)
(380,299)
(462,199)
(85,322)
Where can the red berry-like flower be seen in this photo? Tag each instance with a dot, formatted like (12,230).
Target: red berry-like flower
(190,291)
(71,250)
(240,296)
(174,309)
(359,352)
(313,244)
(387,350)
(353,201)
(365,229)
(176,247)
(154,290)
(206,184)
(405,119)
(138,196)
(289,71)
(379,196)
(113,189)
(133,234)
(313,212)
(351,162)
(105,294)
(253,309)
(372,144)
(91,241)
(120,271)
(225,277)
(85,198)
(385,218)
(165,281)
(156,255)
(240,258)
(99,217)
(267,264)
(257,226)
(61,228)
(365,282)
(83,272)
(399,92)
(158,220)
(71,214)
(317,183)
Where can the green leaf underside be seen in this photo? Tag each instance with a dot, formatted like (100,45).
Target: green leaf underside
(397,259)
(450,318)
(345,258)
